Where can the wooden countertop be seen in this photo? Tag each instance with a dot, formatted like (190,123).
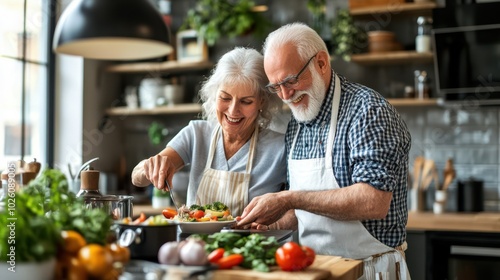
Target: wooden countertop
(473,222)
(323,268)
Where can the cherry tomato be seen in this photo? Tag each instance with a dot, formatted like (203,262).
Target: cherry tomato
(292,257)
(216,255)
(310,255)
(169,213)
(229,261)
(198,214)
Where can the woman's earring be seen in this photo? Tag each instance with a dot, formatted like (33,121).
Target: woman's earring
(260,110)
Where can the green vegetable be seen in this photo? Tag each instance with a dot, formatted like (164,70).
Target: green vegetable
(196,207)
(42,209)
(257,250)
(216,206)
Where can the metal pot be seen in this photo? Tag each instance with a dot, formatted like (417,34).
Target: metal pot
(118,206)
(144,241)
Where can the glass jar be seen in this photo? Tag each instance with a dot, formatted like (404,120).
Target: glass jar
(423,39)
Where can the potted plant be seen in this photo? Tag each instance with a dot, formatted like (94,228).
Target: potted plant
(213,19)
(347,38)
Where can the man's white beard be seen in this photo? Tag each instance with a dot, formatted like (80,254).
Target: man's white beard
(316,96)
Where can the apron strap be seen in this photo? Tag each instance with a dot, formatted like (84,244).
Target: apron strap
(253,144)
(213,144)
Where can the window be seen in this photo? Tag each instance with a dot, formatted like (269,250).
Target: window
(25,75)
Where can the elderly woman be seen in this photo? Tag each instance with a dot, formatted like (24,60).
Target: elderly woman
(234,156)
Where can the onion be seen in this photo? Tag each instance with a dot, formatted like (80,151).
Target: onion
(193,252)
(169,253)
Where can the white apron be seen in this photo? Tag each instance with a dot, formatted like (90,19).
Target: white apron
(327,236)
(230,188)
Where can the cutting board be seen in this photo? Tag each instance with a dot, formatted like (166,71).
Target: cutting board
(323,268)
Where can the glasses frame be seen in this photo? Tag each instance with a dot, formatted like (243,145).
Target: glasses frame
(290,81)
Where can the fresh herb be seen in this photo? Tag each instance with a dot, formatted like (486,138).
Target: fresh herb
(67,211)
(258,251)
(26,234)
(42,209)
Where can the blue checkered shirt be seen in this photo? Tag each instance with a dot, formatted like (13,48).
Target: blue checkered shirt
(371,145)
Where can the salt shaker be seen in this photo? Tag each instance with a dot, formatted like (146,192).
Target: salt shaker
(423,39)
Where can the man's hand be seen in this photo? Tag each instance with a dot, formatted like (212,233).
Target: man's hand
(264,210)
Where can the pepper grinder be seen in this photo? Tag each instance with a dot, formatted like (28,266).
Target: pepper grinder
(89,184)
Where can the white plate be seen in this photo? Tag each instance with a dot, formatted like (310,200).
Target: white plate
(203,227)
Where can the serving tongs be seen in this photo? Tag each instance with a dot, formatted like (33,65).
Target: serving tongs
(170,191)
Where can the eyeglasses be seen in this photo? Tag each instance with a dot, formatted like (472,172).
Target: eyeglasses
(290,82)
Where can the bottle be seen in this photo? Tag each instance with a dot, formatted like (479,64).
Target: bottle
(423,39)
(165,9)
(89,184)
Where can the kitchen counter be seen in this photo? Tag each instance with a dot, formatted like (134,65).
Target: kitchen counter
(466,222)
(146,209)
(323,268)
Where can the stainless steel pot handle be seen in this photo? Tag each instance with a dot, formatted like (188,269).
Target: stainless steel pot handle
(130,236)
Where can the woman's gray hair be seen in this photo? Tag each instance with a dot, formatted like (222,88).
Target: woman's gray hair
(240,66)
(304,38)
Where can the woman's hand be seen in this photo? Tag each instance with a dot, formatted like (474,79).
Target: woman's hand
(157,169)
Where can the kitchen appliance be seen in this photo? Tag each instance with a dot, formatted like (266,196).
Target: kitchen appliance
(466,40)
(144,241)
(470,196)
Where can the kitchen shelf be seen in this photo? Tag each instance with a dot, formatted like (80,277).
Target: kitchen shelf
(186,108)
(394,9)
(167,67)
(396,57)
(194,108)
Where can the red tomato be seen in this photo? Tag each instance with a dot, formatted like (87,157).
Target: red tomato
(197,214)
(216,255)
(310,255)
(229,261)
(169,213)
(292,257)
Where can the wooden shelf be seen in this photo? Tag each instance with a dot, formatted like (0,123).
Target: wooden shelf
(424,8)
(193,108)
(188,108)
(396,57)
(163,67)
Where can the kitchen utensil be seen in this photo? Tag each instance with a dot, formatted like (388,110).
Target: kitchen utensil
(84,166)
(448,174)
(144,241)
(172,195)
(417,170)
(429,173)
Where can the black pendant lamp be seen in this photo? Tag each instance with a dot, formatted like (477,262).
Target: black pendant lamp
(112,30)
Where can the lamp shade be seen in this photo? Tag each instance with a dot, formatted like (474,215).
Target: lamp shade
(112,30)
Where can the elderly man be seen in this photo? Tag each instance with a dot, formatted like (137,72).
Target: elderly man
(347,150)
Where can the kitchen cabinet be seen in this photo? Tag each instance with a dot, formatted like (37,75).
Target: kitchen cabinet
(453,245)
